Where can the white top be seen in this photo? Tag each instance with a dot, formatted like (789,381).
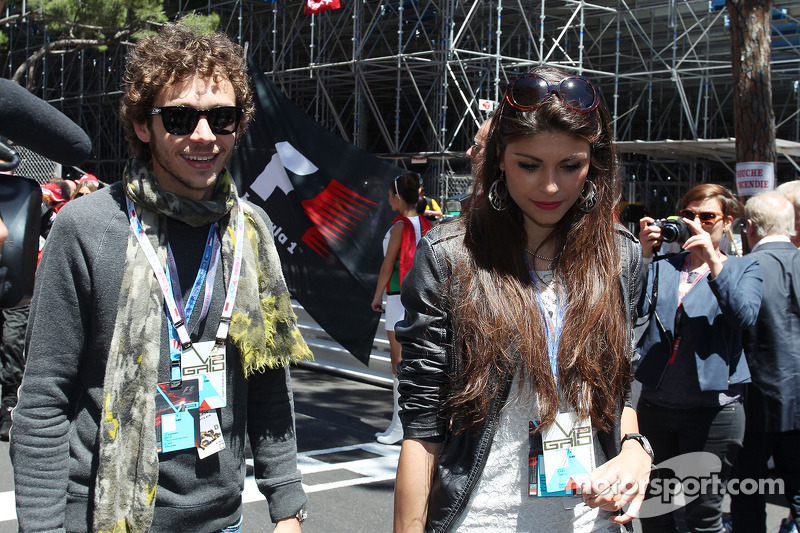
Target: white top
(500,501)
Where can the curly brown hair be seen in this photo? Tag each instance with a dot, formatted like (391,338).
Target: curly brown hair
(176,54)
(495,290)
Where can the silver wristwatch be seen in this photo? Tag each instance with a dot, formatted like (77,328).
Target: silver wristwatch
(641,439)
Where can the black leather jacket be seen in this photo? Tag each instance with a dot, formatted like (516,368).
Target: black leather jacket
(430,359)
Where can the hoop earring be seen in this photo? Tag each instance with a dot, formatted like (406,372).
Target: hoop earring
(498,193)
(588,199)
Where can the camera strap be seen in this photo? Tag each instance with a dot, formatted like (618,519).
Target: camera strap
(653,314)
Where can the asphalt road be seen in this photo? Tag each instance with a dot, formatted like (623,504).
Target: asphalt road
(349,477)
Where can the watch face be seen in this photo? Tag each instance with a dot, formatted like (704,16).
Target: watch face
(641,439)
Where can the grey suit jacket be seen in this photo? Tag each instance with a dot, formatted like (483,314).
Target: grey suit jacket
(772,345)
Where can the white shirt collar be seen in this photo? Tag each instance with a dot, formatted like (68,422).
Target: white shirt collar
(771,238)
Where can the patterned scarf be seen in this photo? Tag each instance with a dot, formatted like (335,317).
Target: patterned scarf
(263,328)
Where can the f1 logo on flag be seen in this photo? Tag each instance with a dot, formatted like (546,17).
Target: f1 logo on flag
(315,6)
(326,199)
(335,212)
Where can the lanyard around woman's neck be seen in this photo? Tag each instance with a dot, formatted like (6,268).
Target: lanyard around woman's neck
(553,324)
(168,287)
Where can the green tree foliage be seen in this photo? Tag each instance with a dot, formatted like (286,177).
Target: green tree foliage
(97,19)
(202,24)
(74,25)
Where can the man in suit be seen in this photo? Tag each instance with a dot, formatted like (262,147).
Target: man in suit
(772,348)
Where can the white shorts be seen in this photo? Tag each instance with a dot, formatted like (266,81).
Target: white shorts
(394,311)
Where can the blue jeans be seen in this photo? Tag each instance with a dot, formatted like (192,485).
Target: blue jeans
(236,527)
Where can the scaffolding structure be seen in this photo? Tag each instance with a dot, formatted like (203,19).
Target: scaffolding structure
(409,80)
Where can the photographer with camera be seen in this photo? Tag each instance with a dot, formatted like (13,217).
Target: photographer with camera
(692,367)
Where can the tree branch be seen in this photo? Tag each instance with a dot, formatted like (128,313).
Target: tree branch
(61,46)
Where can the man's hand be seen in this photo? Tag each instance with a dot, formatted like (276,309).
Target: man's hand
(288,525)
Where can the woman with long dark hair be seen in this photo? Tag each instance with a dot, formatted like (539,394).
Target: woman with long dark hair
(399,246)
(693,368)
(517,341)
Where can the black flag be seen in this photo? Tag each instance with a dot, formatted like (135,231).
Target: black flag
(328,203)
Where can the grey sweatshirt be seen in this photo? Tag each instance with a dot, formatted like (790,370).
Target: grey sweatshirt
(54,438)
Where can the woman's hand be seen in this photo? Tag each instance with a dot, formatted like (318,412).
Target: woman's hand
(377,304)
(701,245)
(649,236)
(619,482)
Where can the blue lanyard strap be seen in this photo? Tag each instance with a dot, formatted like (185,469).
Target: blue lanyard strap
(206,273)
(553,325)
(204,276)
(168,281)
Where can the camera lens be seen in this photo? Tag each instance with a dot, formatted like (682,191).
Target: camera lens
(673,230)
(669,232)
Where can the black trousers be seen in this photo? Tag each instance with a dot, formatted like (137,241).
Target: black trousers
(12,345)
(674,432)
(748,511)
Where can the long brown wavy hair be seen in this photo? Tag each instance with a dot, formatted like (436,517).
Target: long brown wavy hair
(499,328)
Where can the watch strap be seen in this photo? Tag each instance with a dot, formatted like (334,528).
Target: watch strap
(641,439)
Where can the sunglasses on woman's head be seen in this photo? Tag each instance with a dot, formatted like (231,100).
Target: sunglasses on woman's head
(182,120)
(395,186)
(706,217)
(528,91)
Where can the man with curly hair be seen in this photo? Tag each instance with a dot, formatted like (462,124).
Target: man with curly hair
(133,414)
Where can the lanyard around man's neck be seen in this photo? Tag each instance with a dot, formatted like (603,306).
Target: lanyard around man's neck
(167,288)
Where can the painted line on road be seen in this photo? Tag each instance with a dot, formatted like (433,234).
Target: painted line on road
(372,470)
(8,509)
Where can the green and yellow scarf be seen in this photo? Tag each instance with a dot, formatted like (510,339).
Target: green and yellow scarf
(263,328)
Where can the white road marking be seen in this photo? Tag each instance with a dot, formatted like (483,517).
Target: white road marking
(8,509)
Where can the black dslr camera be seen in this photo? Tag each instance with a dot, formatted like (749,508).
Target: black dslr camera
(673,229)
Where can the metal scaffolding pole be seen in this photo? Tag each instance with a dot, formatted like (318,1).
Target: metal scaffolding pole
(402,78)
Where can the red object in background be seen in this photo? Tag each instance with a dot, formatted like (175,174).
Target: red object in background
(335,212)
(315,6)
(88,178)
(51,193)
